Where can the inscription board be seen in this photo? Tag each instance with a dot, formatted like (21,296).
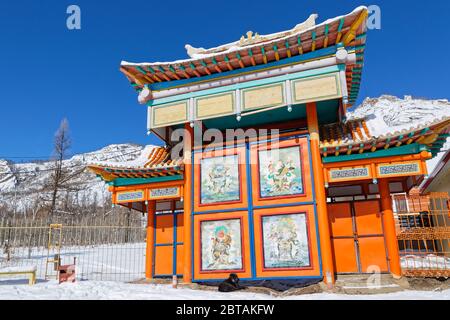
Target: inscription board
(267,96)
(399,169)
(130,196)
(164,115)
(316,88)
(213,106)
(349,174)
(165,193)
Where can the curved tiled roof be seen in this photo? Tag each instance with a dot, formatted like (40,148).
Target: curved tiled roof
(349,29)
(354,137)
(157,163)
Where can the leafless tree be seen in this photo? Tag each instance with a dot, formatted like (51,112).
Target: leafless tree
(59,176)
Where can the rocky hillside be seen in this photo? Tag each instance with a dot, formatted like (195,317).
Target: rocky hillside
(22,184)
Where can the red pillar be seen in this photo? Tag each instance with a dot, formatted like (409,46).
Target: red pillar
(389,228)
(187,261)
(321,200)
(151,207)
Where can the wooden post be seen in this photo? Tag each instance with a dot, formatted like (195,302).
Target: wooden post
(151,208)
(187,261)
(321,200)
(389,228)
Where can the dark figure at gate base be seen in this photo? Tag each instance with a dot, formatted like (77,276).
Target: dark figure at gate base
(231,284)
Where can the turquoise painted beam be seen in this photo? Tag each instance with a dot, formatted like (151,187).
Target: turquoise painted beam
(118,182)
(413,148)
(243,85)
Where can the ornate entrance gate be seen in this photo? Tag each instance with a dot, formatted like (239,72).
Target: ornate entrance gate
(358,237)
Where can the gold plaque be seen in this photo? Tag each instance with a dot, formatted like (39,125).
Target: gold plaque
(261,97)
(316,89)
(130,196)
(168,114)
(216,105)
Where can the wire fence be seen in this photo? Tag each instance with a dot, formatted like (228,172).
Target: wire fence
(106,247)
(423,233)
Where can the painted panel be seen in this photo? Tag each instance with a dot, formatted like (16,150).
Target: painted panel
(341,221)
(215,105)
(180,227)
(368,217)
(180,258)
(372,252)
(164,193)
(164,229)
(345,259)
(285,241)
(260,97)
(399,169)
(130,196)
(220,181)
(280,172)
(316,88)
(169,114)
(163,260)
(221,245)
(349,174)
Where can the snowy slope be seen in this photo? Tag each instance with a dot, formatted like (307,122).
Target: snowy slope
(389,114)
(21,182)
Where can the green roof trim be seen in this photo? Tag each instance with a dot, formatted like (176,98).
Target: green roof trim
(413,148)
(132,181)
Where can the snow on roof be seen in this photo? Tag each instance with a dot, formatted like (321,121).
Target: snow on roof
(236,46)
(138,162)
(390,115)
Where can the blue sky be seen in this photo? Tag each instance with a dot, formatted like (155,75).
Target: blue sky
(49,72)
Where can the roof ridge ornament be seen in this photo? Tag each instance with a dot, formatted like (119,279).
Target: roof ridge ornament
(249,38)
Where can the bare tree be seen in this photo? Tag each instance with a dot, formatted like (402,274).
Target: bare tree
(59,177)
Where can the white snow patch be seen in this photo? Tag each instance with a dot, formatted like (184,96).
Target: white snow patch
(429,261)
(389,114)
(104,290)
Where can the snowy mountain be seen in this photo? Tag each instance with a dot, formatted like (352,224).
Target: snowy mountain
(21,184)
(392,114)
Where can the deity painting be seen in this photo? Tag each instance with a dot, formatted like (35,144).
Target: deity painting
(220,179)
(280,172)
(285,241)
(221,245)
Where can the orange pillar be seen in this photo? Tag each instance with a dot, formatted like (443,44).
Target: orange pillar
(151,207)
(321,200)
(389,228)
(187,261)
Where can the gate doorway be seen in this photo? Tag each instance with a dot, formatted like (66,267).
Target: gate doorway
(357,237)
(168,241)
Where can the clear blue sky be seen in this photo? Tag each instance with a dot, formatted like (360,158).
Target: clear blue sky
(49,72)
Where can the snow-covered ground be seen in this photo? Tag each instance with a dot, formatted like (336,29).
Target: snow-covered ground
(124,262)
(102,290)
(429,261)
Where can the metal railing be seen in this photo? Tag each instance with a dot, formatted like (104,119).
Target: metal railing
(423,233)
(110,247)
